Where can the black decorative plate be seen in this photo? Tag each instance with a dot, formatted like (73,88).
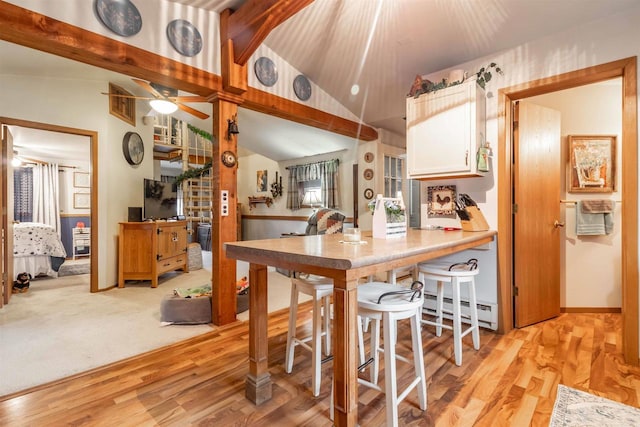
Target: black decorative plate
(120,16)
(184,37)
(266,71)
(302,87)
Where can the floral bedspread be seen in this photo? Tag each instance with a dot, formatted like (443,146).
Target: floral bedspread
(32,238)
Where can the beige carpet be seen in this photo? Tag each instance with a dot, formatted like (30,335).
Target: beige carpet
(59,328)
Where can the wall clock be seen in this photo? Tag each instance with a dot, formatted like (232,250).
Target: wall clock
(302,87)
(368,174)
(120,16)
(229,159)
(266,71)
(133,148)
(184,37)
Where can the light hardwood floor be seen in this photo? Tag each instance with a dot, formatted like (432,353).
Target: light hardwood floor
(510,381)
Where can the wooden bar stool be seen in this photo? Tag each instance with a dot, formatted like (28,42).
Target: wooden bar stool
(454,275)
(320,289)
(386,303)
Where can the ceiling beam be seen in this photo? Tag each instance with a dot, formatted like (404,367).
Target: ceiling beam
(31,29)
(250,25)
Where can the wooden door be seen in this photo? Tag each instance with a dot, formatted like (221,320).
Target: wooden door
(6,204)
(536,251)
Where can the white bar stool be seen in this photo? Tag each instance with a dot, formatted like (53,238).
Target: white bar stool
(388,303)
(454,275)
(320,289)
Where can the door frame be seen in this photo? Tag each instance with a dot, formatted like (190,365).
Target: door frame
(627,70)
(93,141)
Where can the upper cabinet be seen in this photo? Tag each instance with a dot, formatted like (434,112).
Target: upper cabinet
(445,129)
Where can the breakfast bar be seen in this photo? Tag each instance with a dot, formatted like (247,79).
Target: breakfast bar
(345,263)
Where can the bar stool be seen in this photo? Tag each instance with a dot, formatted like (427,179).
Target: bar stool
(320,289)
(385,302)
(454,275)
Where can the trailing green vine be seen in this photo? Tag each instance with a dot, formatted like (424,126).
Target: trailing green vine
(193,173)
(202,133)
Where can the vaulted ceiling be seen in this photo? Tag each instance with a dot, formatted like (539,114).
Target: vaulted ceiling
(380,45)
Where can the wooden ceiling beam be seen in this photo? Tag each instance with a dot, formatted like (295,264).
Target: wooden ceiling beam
(250,25)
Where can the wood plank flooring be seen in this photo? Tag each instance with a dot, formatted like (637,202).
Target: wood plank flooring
(510,381)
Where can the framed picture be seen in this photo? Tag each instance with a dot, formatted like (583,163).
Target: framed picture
(122,104)
(441,201)
(592,167)
(81,200)
(261,180)
(82,179)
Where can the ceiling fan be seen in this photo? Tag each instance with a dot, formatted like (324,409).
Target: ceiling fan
(164,96)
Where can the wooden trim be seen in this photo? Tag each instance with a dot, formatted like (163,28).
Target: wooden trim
(267,103)
(93,138)
(250,25)
(27,28)
(285,218)
(590,310)
(627,69)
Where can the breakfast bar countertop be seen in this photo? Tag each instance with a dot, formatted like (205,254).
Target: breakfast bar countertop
(344,262)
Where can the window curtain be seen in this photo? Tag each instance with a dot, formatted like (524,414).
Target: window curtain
(326,172)
(23,194)
(46,195)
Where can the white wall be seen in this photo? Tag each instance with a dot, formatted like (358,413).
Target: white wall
(79,104)
(588,45)
(591,265)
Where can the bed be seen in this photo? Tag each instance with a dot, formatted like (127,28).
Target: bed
(37,249)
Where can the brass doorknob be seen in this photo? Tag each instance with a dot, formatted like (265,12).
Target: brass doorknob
(558,224)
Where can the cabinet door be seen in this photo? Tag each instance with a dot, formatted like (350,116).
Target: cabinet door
(172,240)
(441,132)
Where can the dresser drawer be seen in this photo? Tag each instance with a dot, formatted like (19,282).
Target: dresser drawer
(173,263)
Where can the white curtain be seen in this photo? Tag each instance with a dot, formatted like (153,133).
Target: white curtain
(46,195)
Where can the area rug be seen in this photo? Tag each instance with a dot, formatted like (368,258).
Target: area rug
(577,408)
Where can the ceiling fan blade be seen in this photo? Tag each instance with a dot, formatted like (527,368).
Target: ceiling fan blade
(126,96)
(192,111)
(146,86)
(194,98)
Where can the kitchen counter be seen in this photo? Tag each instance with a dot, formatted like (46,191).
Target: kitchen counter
(345,263)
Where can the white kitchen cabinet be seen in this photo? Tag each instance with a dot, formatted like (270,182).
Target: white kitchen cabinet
(445,128)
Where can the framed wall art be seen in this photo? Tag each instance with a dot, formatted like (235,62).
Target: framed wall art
(261,181)
(592,166)
(441,201)
(81,200)
(81,179)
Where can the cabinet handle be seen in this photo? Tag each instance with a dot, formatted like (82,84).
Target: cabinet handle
(466,158)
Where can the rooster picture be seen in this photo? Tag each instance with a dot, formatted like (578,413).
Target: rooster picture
(441,201)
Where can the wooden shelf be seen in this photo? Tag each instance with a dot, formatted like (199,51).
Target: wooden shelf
(253,201)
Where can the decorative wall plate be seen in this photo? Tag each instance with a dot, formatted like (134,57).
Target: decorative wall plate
(302,87)
(120,16)
(368,157)
(266,71)
(184,37)
(229,159)
(133,148)
(368,174)
(368,194)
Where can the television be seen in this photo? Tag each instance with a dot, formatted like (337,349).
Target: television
(160,199)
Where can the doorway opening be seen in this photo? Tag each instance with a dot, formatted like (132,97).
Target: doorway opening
(86,195)
(626,69)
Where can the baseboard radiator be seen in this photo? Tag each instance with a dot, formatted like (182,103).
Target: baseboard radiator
(487,312)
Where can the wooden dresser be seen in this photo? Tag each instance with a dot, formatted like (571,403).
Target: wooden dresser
(149,249)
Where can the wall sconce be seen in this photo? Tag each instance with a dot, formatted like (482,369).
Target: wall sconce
(232,127)
(276,187)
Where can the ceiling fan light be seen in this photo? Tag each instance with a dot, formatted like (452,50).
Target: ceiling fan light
(163,106)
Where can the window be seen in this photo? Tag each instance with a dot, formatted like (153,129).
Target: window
(392,176)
